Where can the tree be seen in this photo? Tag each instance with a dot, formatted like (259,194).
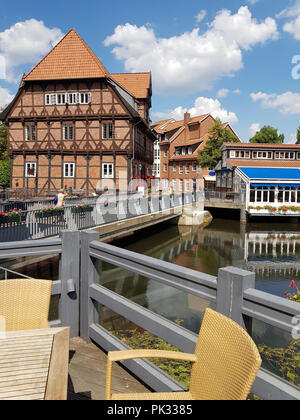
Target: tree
(267,135)
(211,155)
(3,146)
(298,136)
(4,173)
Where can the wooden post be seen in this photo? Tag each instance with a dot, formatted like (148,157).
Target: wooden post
(89,276)
(232,282)
(69,276)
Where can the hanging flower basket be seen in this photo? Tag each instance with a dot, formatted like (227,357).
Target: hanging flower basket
(13,216)
(82,208)
(49,212)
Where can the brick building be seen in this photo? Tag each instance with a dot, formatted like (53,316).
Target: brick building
(180,143)
(72,124)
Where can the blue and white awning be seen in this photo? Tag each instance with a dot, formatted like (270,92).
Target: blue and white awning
(271,177)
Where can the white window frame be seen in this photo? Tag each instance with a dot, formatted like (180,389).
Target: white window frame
(30,133)
(174,167)
(187,168)
(165,167)
(107,170)
(69,170)
(232,154)
(180,168)
(180,186)
(107,129)
(70,129)
(30,165)
(71,98)
(194,166)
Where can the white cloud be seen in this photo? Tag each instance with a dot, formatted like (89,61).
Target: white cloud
(200,16)
(191,61)
(292,139)
(253,129)
(293,28)
(253,1)
(293,25)
(222,93)
(25,43)
(5,97)
(286,103)
(201,106)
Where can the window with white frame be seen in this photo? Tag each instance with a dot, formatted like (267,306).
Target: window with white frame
(165,167)
(71,98)
(187,168)
(68,131)
(194,166)
(181,168)
(30,132)
(108,130)
(174,183)
(107,170)
(180,185)
(187,185)
(174,167)
(30,170)
(69,170)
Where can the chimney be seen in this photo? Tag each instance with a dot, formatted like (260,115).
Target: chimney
(187,118)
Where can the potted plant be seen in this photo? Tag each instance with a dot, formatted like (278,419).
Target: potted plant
(12,216)
(295,297)
(81,208)
(49,212)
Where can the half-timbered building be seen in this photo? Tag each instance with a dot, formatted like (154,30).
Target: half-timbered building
(73,125)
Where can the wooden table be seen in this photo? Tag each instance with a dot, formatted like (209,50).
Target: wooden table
(34,364)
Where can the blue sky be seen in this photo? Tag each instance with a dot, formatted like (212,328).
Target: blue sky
(231,58)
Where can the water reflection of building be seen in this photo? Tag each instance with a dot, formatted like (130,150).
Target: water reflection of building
(269,252)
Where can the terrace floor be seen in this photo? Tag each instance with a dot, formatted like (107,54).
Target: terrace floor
(87,374)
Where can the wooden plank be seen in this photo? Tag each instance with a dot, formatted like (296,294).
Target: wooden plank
(24,387)
(36,397)
(27,350)
(20,394)
(57,385)
(33,333)
(23,379)
(16,344)
(38,370)
(37,361)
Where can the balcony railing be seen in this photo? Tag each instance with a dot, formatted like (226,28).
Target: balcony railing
(232,293)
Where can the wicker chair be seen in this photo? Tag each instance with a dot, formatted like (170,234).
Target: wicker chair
(225,364)
(24,304)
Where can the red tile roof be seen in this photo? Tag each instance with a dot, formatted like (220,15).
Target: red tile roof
(138,84)
(71,58)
